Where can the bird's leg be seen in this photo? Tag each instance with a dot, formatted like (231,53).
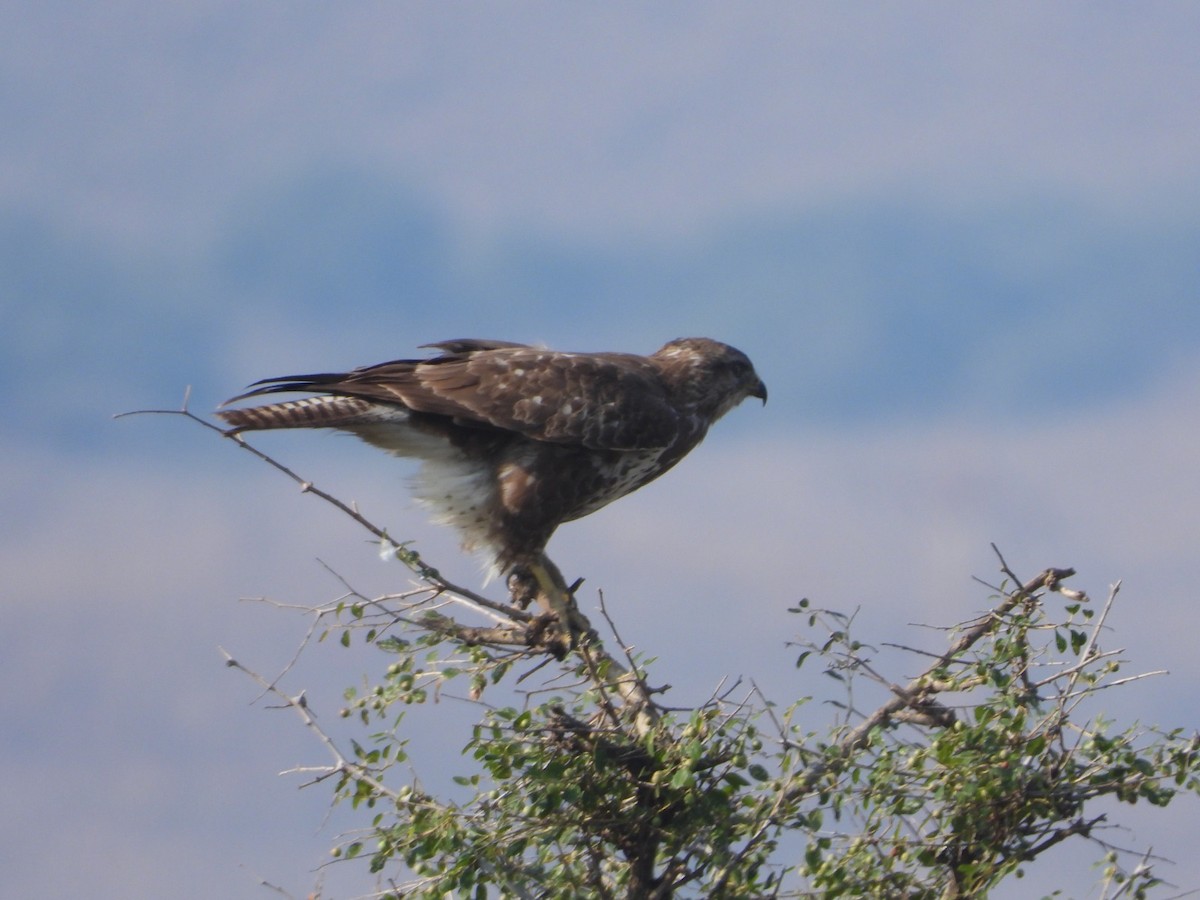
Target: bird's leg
(540,580)
(552,592)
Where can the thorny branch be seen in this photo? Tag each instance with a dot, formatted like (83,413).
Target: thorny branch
(425,572)
(917,695)
(341,765)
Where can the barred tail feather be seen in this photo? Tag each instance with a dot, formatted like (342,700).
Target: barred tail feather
(311,412)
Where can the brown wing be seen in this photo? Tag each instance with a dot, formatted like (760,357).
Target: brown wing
(605,401)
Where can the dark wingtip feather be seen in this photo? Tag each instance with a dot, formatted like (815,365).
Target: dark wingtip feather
(472,345)
(286,383)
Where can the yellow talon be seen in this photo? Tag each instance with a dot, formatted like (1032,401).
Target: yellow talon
(553,598)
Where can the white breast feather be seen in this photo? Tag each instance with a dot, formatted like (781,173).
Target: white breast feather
(459,493)
(456,491)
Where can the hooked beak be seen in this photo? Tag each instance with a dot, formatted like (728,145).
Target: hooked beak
(760,391)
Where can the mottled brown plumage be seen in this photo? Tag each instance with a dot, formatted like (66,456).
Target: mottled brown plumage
(515,440)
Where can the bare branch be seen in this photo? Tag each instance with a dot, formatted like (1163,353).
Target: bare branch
(409,557)
(341,765)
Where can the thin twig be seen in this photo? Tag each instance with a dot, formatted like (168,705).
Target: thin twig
(408,557)
(341,765)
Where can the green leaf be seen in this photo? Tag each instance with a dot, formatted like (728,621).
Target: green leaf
(683,778)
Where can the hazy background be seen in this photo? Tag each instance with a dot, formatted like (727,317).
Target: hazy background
(960,242)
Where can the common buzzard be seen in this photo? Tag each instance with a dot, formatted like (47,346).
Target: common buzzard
(514,440)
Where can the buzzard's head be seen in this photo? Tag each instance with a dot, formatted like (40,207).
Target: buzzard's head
(710,376)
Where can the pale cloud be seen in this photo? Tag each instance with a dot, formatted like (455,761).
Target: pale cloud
(124,577)
(144,122)
(896,518)
(162,128)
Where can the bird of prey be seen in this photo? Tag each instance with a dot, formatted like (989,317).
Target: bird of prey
(514,439)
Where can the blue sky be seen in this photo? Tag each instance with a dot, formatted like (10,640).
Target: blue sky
(960,243)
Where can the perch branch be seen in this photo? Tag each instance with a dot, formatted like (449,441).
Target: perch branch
(601,665)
